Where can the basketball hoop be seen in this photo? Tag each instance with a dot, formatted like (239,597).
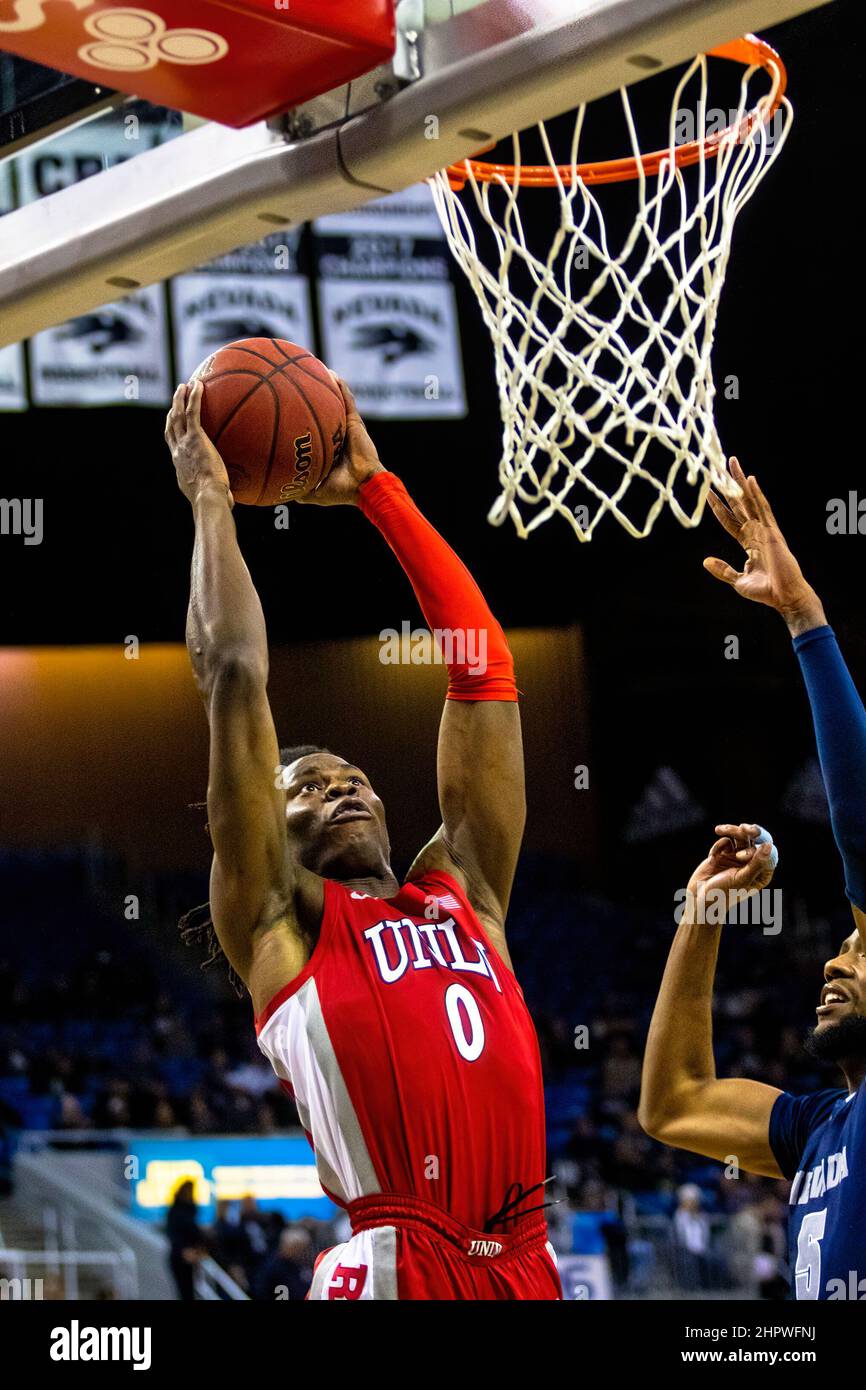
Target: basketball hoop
(606,388)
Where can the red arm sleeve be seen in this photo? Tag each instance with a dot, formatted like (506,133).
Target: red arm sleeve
(450,599)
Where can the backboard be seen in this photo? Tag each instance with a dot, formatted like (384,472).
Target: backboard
(465,74)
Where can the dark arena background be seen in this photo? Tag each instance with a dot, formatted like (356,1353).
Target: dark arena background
(655,704)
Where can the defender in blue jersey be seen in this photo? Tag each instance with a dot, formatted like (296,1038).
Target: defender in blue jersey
(818,1141)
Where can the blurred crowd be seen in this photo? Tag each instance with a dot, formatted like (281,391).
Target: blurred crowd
(268,1258)
(103,1047)
(104,1039)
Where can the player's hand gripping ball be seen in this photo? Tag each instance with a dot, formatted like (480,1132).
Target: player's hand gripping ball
(276,415)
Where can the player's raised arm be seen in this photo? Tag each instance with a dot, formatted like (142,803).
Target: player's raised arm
(254,883)
(683,1103)
(773,577)
(480,754)
(480,759)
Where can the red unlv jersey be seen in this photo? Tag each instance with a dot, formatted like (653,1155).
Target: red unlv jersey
(411,1054)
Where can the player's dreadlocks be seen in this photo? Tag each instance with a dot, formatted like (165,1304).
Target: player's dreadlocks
(196,926)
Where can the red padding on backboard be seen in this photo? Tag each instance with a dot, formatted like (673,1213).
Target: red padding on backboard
(235,62)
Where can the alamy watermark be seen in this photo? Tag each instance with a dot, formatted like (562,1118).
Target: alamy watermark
(846,516)
(443,646)
(21,1290)
(22,516)
(716,906)
(83,1343)
(691,125)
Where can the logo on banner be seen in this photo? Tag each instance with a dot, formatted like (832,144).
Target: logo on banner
(126,39)
(393,342)
(218,332)
(215,308)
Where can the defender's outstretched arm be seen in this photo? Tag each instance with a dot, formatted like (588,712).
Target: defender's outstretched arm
(773,577)
(683,1103)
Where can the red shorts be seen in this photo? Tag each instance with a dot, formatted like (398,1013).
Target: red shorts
(405,1248)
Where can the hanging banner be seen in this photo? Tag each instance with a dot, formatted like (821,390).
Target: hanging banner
(13,379)
(387,308)
(255,292)
(397,345)
(116,354)
(7,198)
(119,353)
(73,155)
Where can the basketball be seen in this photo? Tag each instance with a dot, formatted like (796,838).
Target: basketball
(276,415)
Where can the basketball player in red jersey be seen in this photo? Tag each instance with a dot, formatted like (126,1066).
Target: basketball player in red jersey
(390,1012)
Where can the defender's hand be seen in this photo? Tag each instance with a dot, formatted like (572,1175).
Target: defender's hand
(771,574)
(196,460)
(734,866)
(359,461)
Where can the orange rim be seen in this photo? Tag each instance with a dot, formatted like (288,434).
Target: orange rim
(750,51)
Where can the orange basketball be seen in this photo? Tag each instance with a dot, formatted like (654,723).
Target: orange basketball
(275,414)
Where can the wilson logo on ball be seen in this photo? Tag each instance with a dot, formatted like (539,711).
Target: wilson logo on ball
(303,464)
(303,453)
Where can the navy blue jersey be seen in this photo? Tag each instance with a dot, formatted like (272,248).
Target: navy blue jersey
(820,1144)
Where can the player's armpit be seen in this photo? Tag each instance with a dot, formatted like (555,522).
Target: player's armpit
(439,854)
(274,951)
(726,1120)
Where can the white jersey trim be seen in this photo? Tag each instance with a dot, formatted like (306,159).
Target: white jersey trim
(296,1042)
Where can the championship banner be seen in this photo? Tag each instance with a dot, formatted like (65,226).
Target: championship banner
(387,308)
(119,353)
(255,292)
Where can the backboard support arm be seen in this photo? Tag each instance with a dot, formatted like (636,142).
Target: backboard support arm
(484,73)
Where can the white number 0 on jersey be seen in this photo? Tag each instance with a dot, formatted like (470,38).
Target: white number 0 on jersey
(463,1012)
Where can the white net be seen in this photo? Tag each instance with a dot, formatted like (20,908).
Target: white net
(604,356)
